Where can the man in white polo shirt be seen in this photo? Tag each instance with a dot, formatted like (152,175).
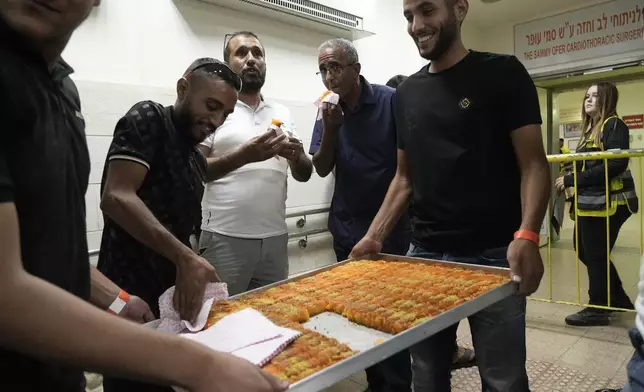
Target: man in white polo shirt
(244,234)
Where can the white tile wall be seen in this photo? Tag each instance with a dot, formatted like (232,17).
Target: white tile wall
(92,201)
(318,253)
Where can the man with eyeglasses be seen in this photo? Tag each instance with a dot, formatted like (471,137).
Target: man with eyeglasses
(150,190)
(357,139)
(243,231)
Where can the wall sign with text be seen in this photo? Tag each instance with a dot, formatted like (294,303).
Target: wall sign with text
(570,130)
(634,121)
(607,29)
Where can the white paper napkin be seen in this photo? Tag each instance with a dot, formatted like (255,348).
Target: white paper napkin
(171,321)
(328,97)
(247,334)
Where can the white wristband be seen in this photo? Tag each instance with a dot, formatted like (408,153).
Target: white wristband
(119,303)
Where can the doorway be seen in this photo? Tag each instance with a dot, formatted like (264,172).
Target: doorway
(561,101)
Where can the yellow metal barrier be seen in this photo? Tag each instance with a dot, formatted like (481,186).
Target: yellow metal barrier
(605,156)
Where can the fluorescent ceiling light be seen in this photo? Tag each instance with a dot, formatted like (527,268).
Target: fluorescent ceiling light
(600,70)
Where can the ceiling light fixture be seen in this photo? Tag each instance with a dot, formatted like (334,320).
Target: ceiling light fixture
(596,71)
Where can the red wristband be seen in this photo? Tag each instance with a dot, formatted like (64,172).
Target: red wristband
(124,296)
(528,235)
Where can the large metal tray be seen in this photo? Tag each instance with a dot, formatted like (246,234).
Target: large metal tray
(391,344)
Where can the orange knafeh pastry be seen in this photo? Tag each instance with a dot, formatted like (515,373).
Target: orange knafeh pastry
(387,296)
(309,354)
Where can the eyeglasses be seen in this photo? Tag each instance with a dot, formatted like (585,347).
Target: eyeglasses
(333,69)
(221,69)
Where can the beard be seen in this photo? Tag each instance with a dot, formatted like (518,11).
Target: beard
(446,37)
(252,82)
(186,124)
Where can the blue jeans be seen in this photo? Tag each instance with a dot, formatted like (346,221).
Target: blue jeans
(498,334)
(636,365)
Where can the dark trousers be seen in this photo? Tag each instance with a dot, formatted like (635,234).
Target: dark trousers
(394,373)
(593,253)
(498,333)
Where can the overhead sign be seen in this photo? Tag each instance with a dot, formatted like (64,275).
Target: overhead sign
(569,115)
(635,121)
(607,29)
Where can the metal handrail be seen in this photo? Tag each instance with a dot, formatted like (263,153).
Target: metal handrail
(589,156)
(308,212)
(307,233)
(315,211)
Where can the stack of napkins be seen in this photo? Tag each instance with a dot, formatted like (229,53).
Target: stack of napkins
(246,334)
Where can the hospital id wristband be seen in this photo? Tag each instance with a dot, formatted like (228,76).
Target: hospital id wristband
(529,235)
(119,303)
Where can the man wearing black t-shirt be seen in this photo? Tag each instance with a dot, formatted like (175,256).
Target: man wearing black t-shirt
(48,330)
(470,156)
(151,189)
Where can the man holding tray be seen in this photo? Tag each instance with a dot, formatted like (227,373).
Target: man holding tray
(49,332)
(471,158)
(357,140)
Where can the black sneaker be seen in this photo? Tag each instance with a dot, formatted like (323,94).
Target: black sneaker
(589,317)
(609,390)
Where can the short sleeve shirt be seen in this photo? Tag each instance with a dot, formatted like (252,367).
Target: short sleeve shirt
(44,172)
(249,202)
(147,135)
(365,164)
(455,127)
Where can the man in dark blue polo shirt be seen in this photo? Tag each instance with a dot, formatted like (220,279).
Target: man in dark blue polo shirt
(357,139)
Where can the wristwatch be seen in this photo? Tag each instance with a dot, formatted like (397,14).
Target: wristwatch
(119,303)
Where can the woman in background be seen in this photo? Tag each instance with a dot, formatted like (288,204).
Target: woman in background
(603,130)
